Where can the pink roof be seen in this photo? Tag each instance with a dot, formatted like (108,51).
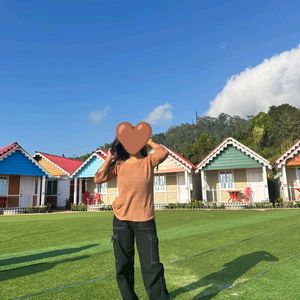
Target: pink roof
(100,155)
(179,157)
(70,165)
(8,149)
(173,153)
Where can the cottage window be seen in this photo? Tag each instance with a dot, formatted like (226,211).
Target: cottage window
(159,183)
(52,187)
(226,180)
(3,186)
(298,175)
(102,188)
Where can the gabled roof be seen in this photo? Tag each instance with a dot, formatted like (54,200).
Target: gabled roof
(5,151)
(98,153)
(231,142)
(102,152)
(183,161)
(293,151)
(13,147)
(66,165)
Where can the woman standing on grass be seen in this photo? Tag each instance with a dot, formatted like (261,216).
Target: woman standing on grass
(134,218)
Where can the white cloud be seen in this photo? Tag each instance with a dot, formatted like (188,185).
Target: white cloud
(160,114)
(273,82)
(97,116)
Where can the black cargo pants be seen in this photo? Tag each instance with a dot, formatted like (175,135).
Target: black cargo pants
(124,233)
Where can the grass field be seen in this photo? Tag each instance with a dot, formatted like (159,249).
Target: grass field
(206,255)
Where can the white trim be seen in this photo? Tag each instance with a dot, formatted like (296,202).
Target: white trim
(203,185)
(284,183)
(177,163)
(98,187)
(165,181)
(22,150)
(7,184)
(38,197)
(297,175)
(233,180)
(101,151)
(43,190)
(75,191)
(85,163)
(52,163)
(265,182)
(231,141)
(183,163)
(187,184)
(294,150)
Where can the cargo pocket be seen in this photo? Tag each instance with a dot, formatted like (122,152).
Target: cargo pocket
(154,255)
(115,241)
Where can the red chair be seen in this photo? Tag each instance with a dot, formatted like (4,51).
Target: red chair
(3,202)
(247,193)
(87,198)
(97,199)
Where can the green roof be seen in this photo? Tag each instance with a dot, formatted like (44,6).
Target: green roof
(232,158)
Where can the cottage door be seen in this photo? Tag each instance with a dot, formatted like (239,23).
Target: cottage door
(182,189)
(63,192)
(26,191)
(255,182)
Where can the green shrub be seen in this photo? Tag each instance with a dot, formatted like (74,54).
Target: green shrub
(78,207)
(68,203)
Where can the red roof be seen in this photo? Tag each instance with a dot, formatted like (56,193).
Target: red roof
(8,149)
(70,165)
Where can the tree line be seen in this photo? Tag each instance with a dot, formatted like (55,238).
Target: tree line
(270,133)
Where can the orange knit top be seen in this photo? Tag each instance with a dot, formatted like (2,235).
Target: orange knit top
(134,201)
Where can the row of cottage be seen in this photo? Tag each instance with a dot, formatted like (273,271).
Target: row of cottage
(231,172)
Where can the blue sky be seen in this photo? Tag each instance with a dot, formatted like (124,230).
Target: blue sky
(70,71)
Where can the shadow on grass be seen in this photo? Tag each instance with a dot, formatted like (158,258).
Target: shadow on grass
(36,268)
(42,255)
(218,281)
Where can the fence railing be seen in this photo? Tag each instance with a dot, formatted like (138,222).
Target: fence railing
(22,210)
(13,210)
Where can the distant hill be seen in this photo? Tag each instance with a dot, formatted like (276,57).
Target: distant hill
(269,134)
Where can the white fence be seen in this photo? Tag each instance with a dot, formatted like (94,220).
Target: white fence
(13,210)
(21,210)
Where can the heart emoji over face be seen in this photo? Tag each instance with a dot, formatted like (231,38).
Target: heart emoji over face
(133,138)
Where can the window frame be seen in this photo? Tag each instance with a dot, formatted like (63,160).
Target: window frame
(164,185)
(233,182)
(51,190)
(7,185)
(298,175)
(99,188)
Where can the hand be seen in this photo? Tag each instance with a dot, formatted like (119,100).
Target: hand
(149,142)
(110,154)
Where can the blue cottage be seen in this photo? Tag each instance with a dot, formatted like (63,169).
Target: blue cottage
(22,179)
(85,175)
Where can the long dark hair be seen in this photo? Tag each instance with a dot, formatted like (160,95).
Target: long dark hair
(121,154)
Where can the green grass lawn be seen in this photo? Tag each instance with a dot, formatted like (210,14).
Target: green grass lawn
(206,254)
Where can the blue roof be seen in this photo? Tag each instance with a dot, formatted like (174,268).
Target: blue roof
(17,163)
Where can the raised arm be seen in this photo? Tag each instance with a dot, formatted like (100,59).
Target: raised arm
(107,171)
(159,155)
